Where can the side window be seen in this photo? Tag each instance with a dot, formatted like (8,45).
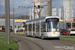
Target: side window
(43,27)
(49,26)
(30,27)
(33,27)
(37,27)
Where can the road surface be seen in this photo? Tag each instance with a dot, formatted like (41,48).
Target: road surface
(30,43)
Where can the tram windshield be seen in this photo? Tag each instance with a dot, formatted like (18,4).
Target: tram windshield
(52,25)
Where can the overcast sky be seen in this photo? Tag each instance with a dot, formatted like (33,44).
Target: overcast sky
(23,11)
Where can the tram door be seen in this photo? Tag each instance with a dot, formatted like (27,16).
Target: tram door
(39,29)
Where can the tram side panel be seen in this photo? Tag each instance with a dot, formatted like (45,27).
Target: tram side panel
(31,29)
(38,28)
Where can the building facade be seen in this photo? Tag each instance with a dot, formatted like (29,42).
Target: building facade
(38,9)
(54,11)
(18,24)
(59,12)
(67,10)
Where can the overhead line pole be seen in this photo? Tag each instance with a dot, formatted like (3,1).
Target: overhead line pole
(7,20)
(50,7)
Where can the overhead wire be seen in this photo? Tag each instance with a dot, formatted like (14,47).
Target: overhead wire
(26,11)
(23,3)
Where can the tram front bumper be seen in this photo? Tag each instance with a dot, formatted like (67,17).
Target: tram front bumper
(51,36)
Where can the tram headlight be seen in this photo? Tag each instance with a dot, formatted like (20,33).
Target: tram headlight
(57,30)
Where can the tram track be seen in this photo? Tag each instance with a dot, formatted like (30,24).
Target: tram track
(30,44)
(35,44)
(25,43)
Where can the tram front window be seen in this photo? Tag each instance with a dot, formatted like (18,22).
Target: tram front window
(52,26)
(49,26)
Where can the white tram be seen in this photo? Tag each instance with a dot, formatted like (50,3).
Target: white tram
(44,27)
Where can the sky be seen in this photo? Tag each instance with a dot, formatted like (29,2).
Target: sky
(23,11)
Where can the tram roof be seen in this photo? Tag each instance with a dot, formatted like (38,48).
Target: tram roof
(43,18)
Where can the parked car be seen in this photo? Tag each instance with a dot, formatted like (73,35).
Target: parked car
(72,32)
(3,29)
(65,32)
(68,32)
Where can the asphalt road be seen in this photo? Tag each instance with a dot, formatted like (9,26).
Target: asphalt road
(30,43)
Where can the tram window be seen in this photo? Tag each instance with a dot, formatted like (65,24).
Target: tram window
(30,27)
(49,26)
(43,27)
(33,27)
(37,27)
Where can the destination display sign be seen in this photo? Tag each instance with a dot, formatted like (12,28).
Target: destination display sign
(52,19)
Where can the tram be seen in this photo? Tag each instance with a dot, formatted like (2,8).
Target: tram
(44,27)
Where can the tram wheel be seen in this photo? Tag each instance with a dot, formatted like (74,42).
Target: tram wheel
(42,37)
